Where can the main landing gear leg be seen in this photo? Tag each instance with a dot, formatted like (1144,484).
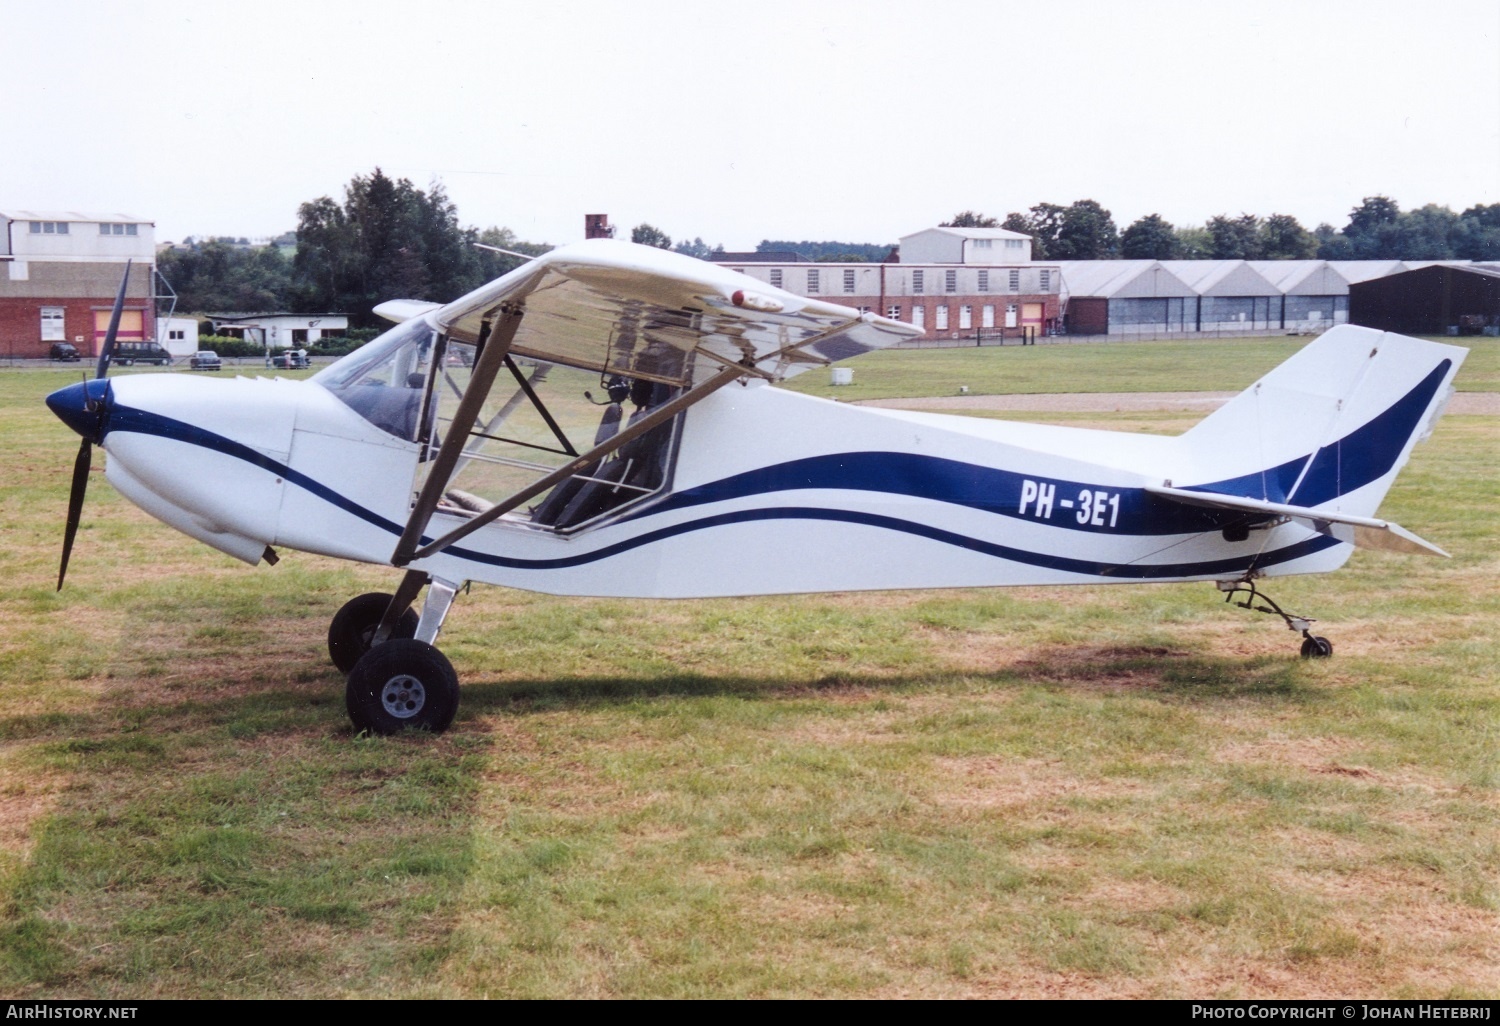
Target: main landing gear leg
(1313,646)
(406,682)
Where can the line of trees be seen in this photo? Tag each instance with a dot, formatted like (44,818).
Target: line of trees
(387,239)
(1378,229)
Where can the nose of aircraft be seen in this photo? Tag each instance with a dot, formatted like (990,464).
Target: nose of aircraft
(82,407)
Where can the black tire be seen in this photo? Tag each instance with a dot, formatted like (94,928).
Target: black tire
(354,625)
(1316,648)
(403,684)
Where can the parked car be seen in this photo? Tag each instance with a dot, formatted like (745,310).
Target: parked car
(292,359)
(63,351)
(206,359)
(128,353)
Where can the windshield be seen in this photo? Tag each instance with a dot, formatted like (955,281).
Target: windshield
(383,380)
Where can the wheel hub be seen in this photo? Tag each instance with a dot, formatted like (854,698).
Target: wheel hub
(403,696)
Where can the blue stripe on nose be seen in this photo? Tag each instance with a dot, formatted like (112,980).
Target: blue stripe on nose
(72,406)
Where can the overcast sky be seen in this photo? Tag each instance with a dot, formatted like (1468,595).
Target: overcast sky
(738,121)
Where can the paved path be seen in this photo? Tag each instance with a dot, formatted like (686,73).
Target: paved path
(1485,403)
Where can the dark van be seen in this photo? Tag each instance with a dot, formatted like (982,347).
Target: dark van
(128,353)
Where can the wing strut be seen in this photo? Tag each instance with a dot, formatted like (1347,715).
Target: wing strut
(436,483)
(492,354)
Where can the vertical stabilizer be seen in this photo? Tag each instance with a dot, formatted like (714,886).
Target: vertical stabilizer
(1331,427)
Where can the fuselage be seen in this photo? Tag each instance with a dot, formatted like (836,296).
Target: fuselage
(768,492)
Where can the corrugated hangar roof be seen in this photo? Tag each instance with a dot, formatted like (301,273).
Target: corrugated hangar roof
(1121,279)
(1221,277)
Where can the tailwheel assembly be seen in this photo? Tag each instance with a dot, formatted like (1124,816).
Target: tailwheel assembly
(1313,646)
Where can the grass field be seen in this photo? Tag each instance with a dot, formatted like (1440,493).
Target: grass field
(1166,366)
(1068,792)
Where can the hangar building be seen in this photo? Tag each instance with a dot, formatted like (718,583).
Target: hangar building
(1439,299)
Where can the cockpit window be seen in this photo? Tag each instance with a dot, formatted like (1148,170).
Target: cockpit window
(384,380)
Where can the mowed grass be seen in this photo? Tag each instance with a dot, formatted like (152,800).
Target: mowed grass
(1132,791)
(1201,365)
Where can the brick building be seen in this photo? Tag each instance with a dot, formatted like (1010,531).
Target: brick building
(953,283)
(59,273)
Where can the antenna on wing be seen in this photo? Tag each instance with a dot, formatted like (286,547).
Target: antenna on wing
(507,252)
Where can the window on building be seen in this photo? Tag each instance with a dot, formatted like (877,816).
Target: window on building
(942,319)
(1014,243)
(984,281)
(52,324)
(919,317)
(1046,280)
(965,317)
(49,227)
(1010,314)
(776,277)
(176,334)
(893,313)
(864,309)
(916,283)
(982,243)
(950,281)
(849,280)
(1015,281)
(111,228)
(812,282)
(987,316)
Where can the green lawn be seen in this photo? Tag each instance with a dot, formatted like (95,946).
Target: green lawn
(1105,791)
(1204,365)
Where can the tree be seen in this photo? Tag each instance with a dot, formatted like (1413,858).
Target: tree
(1429,233)
(1087,232)
(649,235)
(220,275)
(824,252)
(1282,237)
(1331,243)
(387,240)
(970,219)
(1042,223)
(1150,238)
(1194,243)
(1373,229)
(697,248)
(1235,238)
(1480,233)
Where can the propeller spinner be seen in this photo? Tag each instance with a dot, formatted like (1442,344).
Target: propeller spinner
(84,407)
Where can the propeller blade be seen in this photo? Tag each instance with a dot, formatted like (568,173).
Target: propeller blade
(114,324)
(75,505)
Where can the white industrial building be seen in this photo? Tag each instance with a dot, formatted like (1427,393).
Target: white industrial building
(59,273)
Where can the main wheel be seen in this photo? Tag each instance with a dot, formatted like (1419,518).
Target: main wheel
(1316,648)
(403,683)
(354,625)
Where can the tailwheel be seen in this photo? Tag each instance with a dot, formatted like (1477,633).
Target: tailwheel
(353,628)
(402,684)
(1316,648)
(1313,646)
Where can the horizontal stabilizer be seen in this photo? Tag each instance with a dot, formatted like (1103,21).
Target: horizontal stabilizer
(1368,532)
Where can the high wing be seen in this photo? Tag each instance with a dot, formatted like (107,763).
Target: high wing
(641,312)
(1367,532)
(634,312)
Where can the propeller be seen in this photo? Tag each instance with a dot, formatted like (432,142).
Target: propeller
(94,401)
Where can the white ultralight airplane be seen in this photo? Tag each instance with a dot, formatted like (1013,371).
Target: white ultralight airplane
(467,444)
